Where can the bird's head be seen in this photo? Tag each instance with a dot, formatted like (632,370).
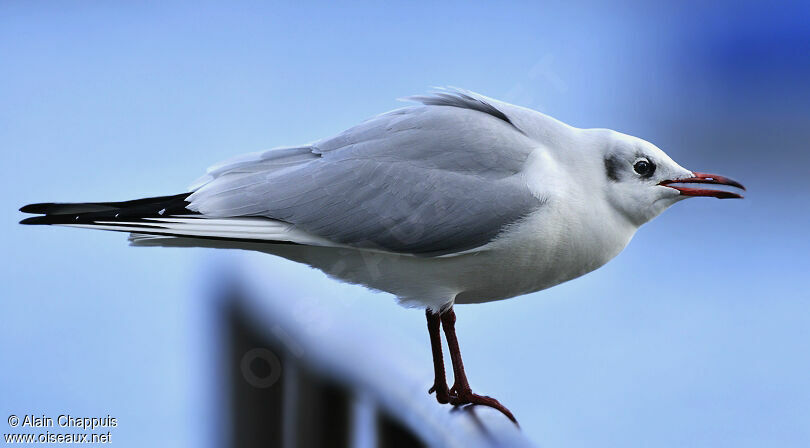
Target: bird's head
(642,181)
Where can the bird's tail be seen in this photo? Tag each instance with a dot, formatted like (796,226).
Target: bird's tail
(161,220)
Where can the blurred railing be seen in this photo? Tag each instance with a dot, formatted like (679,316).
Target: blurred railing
(291,387)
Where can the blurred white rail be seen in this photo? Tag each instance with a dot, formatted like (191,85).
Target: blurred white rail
(375,395)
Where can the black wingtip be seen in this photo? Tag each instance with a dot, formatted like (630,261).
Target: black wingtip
(90,212)
(58,219)
(35,220)
(39,208)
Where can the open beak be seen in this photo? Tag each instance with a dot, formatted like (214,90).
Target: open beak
(703,178)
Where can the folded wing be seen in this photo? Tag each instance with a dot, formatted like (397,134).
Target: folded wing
(433,179)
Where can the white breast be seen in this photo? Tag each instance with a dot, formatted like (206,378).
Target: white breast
(546,249)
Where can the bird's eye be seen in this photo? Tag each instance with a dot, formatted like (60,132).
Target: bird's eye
(644,167)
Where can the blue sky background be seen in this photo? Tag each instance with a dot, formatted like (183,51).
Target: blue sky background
(698,334)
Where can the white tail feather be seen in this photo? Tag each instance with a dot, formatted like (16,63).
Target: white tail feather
(257,229)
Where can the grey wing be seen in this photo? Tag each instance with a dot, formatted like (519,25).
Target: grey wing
(425,180)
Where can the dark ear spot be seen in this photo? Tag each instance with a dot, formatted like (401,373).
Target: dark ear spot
(613,166)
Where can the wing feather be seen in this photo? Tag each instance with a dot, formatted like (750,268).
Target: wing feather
(434,179)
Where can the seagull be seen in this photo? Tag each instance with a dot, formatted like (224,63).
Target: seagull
(455,199)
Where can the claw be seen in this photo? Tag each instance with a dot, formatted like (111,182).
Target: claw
(468,397)
(442,395)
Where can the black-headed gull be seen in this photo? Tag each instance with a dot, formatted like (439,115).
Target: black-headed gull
(459,199)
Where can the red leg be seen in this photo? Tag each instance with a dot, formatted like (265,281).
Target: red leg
(440,382)
(461,393)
